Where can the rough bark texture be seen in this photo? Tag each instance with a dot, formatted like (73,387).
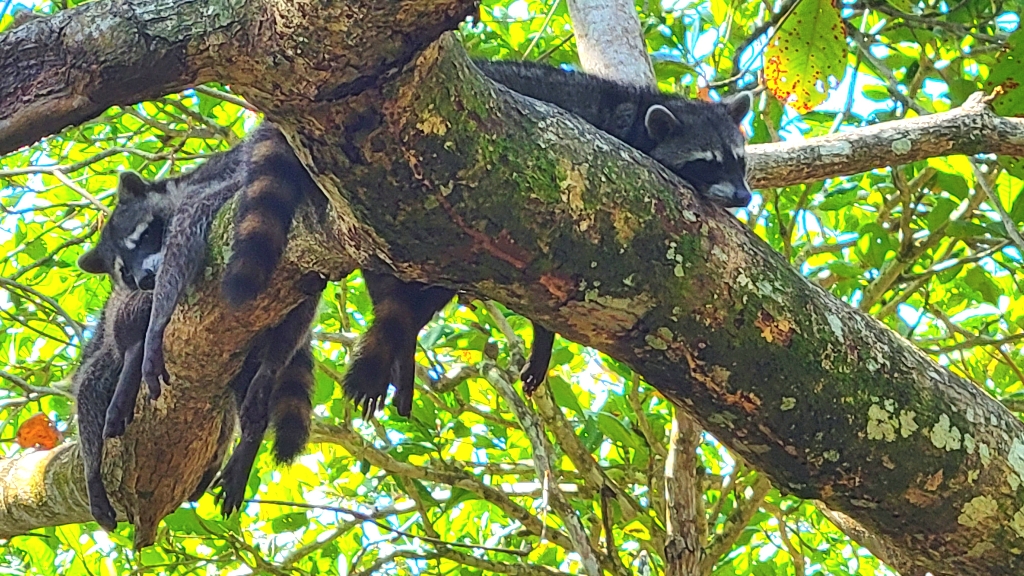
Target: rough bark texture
(686,525)
(452,180)
(609,40)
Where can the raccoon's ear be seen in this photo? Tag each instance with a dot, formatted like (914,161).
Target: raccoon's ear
(93,262)
(738,105)
(131,184)
(660,122)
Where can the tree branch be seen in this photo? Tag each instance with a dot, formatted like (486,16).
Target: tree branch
(970,129)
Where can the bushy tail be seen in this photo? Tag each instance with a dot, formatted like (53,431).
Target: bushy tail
(275,184)
(291,406)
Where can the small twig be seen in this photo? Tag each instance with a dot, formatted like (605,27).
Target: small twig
(75,326)
(386,526)
(543,27)
(993,198)
(225,97)
(34,390)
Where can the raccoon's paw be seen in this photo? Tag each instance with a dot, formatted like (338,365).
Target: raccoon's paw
(368,375)
(312,283)
(532,377)
(154,372)
(117,420)
(102,511)
(367,385)
(233,478)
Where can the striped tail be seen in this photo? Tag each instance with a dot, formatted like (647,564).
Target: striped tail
(275,184)
(291,406)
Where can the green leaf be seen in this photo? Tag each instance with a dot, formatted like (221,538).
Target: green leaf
(980,281)
(42,557)
(958,229)
(807,55)
(616,431)
(939,214)
(837,200)
(289,522)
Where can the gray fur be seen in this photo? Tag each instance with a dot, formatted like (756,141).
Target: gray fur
(156,240)
(675,131)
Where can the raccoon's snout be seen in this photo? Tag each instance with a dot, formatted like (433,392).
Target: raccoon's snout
(729,195)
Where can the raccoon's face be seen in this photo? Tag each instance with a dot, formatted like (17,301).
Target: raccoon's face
(131,248)
(703,145)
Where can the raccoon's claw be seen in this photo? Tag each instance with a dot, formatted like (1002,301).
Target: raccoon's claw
(366,383)
(232,490)
(154,372)
(532,377)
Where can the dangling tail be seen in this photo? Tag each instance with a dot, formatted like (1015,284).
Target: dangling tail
(275,184)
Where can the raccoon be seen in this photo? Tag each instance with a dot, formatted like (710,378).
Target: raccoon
(700,142)
(169,221)
(156,239)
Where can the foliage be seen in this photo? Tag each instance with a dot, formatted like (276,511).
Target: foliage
(922,247)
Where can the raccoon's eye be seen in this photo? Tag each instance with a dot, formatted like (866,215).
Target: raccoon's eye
(700,171)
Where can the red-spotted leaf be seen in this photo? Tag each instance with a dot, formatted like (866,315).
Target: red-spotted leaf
(1008,76)
(807,55)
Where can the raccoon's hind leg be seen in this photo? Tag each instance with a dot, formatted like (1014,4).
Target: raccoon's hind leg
(536,368)
(227,430)
(281,344)
(121,410)
(239,386)
(95,387)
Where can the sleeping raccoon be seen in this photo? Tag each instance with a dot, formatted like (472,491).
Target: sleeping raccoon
(698,141)
(156,240)
(175,216)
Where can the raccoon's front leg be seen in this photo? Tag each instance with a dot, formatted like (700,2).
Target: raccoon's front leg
(184,248)
(121,411)
(536,368)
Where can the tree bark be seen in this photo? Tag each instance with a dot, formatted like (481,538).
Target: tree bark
(444,177)
(610,42)
(686,525)
(971,129)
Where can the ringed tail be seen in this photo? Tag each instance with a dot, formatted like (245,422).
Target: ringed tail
(291,406)
(273,188)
